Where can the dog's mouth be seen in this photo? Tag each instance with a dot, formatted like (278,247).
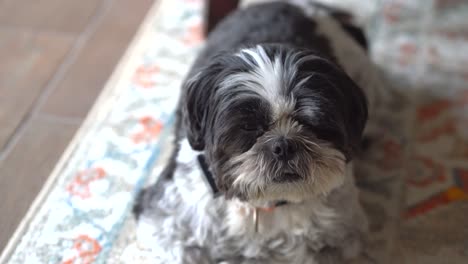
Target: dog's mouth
(287,176)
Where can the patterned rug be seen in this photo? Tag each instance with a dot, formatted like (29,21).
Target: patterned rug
(82,209)
(414,178)
(420,213)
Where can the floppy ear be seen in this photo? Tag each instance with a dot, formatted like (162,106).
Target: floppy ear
(356,114)
(352,101)
(345,96)
(198,105)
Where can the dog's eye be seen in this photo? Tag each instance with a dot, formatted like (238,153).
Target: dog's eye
(253,129)
(250,127)
(303,122)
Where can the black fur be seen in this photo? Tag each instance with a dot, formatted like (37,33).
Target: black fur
(222,125)
(274,22)
(243,28)
(216,120)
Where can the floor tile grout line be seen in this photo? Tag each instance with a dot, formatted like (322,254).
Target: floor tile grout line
(32,30)
(59,74)
(60,119)
(106,98)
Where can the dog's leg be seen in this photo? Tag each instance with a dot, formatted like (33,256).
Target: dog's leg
(196,255)
(347,250)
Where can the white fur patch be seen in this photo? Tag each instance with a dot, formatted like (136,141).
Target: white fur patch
(267,79)
(324,175)
(293,218)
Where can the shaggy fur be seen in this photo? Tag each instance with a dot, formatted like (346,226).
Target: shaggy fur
(270,104)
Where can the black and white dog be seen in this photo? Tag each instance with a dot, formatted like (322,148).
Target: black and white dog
(272,114)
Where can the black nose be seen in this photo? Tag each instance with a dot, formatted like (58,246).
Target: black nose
(283,149)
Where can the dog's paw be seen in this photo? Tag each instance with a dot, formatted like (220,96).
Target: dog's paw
(352,248)
(329,255)
(341,250)
(344,254)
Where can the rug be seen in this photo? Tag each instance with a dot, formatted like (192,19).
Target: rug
(413,179)
(82,208)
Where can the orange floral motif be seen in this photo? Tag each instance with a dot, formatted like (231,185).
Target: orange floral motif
(461,178)
(432,110)
(392,148)
(195,34)
(408,48)
(151,129)
(435,109)
(87,250)
(436,170)
(391,12)
(443,198)
(447,128)
(407,51)
(80,184)
(144,75)
(391,154)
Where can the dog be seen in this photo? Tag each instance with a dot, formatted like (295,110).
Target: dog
(271,115)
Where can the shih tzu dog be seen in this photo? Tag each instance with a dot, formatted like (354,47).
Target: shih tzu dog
(271,116)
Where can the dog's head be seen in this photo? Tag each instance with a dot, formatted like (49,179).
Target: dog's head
(275,122)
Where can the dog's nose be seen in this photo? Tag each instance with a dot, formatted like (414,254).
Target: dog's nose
(283,149)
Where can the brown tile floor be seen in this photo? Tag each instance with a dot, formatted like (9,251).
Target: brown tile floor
(56,56)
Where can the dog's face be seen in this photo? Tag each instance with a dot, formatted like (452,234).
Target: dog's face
(276,123)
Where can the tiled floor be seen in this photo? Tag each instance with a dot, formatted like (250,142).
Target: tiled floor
(56,56)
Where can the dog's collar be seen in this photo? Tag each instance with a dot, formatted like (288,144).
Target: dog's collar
(273,207)
(208,175)
(257,210)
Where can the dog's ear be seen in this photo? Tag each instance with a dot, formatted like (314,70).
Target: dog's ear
(356,114)
(351,101)
(343,99)
(198,104)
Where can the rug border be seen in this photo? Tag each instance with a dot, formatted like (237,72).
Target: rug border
(99,111)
